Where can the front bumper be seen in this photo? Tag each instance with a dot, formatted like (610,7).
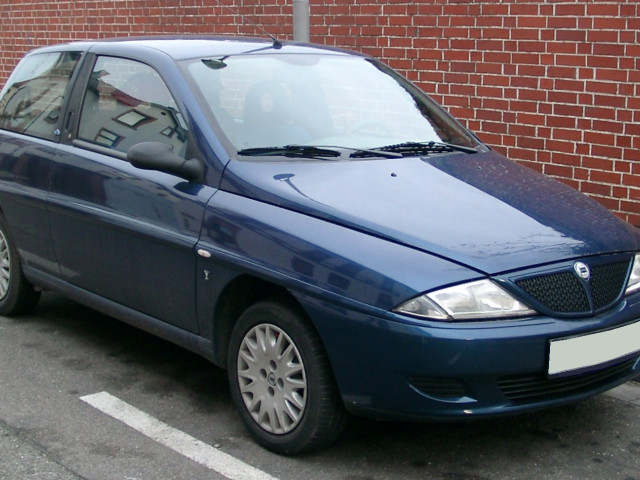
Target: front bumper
(389,366)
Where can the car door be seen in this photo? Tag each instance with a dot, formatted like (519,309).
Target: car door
(30,111)
(124,234)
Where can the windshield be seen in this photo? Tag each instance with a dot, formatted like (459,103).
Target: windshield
(338,101)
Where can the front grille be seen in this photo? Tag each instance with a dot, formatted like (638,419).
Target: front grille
(559,292)
(562,292)
(536,388)
(607,283)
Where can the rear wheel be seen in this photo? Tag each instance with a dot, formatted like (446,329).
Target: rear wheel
(281,381)
(17,295)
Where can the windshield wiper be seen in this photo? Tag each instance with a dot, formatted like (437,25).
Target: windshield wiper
(374,152)
(292,151)
(421,148)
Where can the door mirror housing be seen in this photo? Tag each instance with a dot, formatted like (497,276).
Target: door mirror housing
(160,156)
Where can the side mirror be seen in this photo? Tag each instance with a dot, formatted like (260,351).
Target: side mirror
(160,156)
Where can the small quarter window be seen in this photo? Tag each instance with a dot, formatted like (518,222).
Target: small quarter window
(31,100)
(125,103)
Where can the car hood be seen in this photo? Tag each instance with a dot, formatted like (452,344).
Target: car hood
(480,210)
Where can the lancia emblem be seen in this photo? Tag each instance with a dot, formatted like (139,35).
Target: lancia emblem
(582,270)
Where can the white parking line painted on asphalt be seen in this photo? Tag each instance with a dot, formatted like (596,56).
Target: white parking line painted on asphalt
(174,439)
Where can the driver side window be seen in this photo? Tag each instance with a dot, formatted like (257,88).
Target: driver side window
(125,103)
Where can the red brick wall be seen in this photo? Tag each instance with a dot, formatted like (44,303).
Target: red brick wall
(552,84)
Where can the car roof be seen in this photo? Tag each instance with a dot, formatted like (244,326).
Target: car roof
(185,46)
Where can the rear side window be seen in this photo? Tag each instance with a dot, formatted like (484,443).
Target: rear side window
(126,102)
(31,100)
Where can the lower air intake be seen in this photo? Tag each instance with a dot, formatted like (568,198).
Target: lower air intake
(536,388)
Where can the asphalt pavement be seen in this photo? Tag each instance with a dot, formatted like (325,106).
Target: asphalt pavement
(53,361)
(23,460)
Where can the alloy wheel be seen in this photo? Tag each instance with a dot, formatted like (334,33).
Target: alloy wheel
(272,379)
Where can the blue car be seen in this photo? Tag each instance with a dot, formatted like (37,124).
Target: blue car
(312,222)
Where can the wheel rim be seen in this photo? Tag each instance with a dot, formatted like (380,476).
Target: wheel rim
(5,265)
(272,379)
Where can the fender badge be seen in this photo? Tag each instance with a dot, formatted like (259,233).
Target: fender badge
(582,270)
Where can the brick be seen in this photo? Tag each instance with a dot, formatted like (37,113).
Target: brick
(521,129)
(601,113)
(522,58)
(610,49)
(530,70)
(491,115)
(493,9)
(596,188)
(494,127)
(565,159)
(562,72)
(631,207)
(533,143)
(557,23)
(597,138)
(631,180)
(606,151)
(571,35)
(558,170)
(528,107)
(609,23)
(610,75)
(530,94)
(561,146)
(570,85)
(601,176)
(632,219)
(561,122)
(556,96)
(609,101)
(496,57)
(604,126)
(604,36)
(623,141)
(530,46)
(567,134)
(521,154)
(602,61)
(531,22)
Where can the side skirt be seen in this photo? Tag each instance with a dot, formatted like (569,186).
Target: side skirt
(187,340)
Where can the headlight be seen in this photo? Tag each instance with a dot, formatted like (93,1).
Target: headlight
(479,300)
(634,279)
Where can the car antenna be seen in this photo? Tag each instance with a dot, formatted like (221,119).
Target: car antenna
(277,44)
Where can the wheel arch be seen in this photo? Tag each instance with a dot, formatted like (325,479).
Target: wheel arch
(242,292)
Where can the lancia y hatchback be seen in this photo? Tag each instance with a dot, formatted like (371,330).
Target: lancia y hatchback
(314,223)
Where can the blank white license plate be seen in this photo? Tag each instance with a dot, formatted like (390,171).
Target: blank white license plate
(585,351)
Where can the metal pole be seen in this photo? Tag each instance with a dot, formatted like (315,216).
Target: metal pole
(301,20)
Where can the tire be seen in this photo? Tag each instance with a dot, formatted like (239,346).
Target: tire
(17,295)
(281,381)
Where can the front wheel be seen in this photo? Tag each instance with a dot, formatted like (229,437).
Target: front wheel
(281,381)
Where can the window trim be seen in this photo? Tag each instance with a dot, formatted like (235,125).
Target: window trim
(93,147)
